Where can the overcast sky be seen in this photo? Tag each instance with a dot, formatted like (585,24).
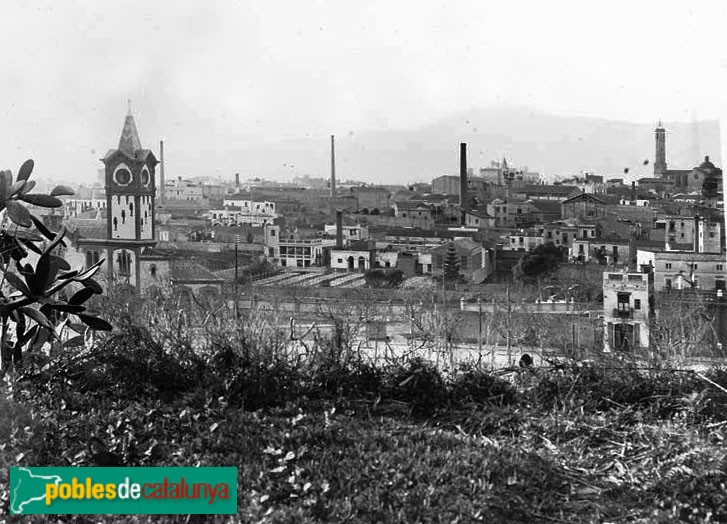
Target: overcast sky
(219,75)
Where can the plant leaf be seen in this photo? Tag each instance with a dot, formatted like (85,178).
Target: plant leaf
(62,190)
(25,170)
(68,308)
(92,284)
(36,315)
(38,199)
(81,296)
(58,239)
(16,187)
(19,214)
(91,271)
(74,342)
(17,283)
(28,187)
(95,322)
(40,226)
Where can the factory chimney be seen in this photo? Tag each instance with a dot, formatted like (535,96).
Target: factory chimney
(339,229)
(463,175)
(333,166)
(237,181)
(463,180)
(633,192)
(161,173)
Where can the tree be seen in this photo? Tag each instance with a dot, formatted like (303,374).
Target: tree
(37,300)
(541,262)
(379,278)
(600,255)
(451,264)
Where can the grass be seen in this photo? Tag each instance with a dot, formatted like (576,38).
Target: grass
(335,439)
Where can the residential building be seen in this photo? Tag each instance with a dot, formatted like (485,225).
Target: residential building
(684,269)
(628,311)
(510,212)
(584,206)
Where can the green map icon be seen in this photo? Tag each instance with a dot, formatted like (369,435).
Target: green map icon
(28,489)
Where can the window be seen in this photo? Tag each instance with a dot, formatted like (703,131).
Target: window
(123,261)
(695,266)
(272,232)
(637,303)
(339,260)
(635,278)
(720,267)
(667,283)
(615,276)
(668,265)
(153,270)
(623,300)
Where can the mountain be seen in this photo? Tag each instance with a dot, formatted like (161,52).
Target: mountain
(549,144)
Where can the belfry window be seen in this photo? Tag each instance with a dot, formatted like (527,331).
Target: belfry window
(123,216)
(123,261)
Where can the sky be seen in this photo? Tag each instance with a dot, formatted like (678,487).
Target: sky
(216,76)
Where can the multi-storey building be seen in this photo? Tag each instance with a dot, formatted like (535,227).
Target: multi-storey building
(628,311)
(510,212)
(290,251)
(684,269)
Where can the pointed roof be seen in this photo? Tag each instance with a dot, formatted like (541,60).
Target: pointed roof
(129,142)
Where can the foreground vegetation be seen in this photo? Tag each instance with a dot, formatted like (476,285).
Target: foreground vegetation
(332,437)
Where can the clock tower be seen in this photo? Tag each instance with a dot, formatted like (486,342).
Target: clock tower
(130,189)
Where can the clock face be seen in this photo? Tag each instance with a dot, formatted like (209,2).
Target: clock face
(145,178)
(122,176)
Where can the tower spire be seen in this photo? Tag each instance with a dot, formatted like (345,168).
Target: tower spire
(129,142)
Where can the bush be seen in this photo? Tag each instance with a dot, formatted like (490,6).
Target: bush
(473,384)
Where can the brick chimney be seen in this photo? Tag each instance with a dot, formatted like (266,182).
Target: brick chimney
(339,229)
(463,176)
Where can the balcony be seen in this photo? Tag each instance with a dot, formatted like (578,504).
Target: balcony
(623,313)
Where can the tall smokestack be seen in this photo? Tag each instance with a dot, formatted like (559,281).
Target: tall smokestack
(333,165)
(633,191)
(339,229)
(237,181)
(161,173)
(463,175)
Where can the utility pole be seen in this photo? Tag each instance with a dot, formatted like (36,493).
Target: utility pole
(236,308)
(479,335)
(494,347)
(509,315)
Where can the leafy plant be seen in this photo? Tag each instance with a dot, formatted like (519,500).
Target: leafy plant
(36,298)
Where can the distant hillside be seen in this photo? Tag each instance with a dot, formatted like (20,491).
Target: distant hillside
(547,143)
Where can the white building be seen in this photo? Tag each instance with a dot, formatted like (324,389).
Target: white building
(628,310)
